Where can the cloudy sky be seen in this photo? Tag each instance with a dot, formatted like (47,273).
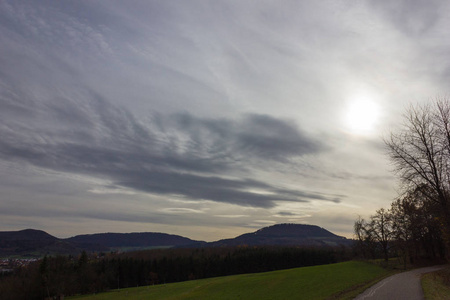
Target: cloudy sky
(208,119)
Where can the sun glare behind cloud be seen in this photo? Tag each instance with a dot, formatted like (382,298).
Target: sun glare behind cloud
(361,116)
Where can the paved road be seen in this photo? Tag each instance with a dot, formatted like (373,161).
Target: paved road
(401,286)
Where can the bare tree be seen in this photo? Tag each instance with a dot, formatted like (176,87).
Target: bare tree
(381,227)
(420,152)
(402,222)
(366,243)
(374,236)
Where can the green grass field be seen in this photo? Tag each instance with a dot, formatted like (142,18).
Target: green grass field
(318,282)
(434,285)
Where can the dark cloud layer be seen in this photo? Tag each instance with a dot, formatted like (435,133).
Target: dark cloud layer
(169,155)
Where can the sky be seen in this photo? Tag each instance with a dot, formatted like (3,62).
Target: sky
(208,119)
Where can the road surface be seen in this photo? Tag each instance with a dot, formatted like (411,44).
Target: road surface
(401,286)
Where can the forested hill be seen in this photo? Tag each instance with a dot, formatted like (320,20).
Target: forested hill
(135,239)
(26,234)
(31,242)
(287,234)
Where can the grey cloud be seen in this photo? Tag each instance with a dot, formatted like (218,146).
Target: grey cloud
(268,137)
(255,135)
(315,196)
(203,188)
(286,214)
(175,155)
(53,121)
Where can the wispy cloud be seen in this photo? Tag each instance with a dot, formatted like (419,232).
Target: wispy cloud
(173,155)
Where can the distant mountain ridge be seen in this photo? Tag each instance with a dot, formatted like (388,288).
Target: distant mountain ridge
(31,242)
(37,243)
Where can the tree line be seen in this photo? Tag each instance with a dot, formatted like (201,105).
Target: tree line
(67,275)
(417,225)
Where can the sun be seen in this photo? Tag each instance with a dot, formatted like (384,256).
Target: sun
(361,116)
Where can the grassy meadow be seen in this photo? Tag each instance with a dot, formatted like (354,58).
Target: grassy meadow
(436,285)
(334,281)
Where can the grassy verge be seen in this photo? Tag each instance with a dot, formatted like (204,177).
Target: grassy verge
(335,281)
(436,285)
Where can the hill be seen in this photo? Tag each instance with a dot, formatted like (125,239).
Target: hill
(286,235)
(131,240)
(33,243)
(318,282)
